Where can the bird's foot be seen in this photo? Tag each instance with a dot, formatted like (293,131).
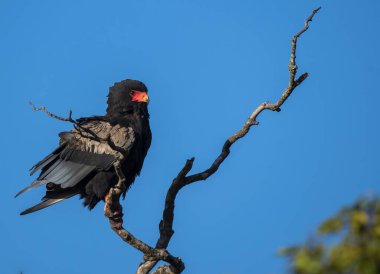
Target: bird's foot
(115,215)
(118,216)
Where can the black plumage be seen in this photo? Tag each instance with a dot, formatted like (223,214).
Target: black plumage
(82,164)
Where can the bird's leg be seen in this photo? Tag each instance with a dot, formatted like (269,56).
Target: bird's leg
(114,212)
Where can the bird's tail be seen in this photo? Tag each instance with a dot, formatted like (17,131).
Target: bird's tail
(48,202)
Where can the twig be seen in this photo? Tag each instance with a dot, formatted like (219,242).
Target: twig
(166,224)
(68,119)
(80,129)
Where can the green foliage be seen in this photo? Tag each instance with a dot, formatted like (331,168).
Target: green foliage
(356,231)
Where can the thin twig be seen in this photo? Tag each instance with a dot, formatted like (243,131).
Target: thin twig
(68,119)
(80,129)
(166,224)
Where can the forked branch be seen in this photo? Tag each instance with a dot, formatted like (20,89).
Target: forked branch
(182,179)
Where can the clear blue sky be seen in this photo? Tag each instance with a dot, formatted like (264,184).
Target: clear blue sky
(207,64)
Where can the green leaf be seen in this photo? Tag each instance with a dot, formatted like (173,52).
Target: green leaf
(330,226)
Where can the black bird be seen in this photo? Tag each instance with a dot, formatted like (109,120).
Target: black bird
(83,163)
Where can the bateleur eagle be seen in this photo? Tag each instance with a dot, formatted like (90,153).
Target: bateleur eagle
(83,164)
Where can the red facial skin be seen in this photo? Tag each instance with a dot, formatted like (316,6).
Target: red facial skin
(139,96)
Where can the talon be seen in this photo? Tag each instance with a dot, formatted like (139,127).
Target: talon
(106,209)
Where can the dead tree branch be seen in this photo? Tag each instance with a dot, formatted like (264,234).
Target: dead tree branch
(166,224)
(68,119)
(78,126)
(113,209)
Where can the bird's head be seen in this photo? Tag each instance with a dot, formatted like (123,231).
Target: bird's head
(126,97)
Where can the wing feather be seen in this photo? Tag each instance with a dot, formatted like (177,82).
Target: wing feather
(68,174)
(47,160)
(46,203)
(81,155)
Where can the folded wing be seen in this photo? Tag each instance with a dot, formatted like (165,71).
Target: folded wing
(82,164)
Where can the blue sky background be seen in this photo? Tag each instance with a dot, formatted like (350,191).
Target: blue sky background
(207,64)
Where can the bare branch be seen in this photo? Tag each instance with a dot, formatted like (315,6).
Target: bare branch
(68,119)
(113,209)
(78,126)
(166,224)
(165,269)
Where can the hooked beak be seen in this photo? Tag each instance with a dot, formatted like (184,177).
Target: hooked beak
(145,99)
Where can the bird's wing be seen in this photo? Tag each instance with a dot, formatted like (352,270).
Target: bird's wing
(81,154)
